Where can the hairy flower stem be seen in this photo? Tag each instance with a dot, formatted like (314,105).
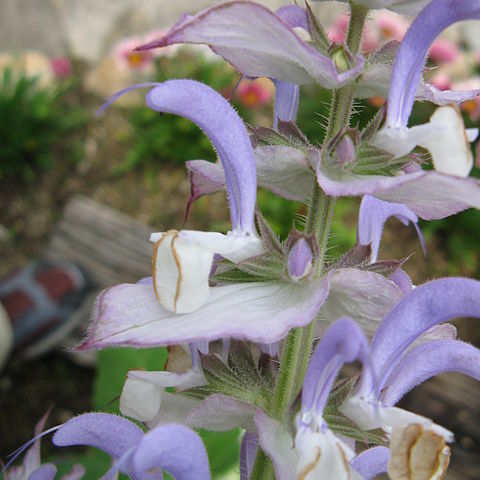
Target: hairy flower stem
(299,342)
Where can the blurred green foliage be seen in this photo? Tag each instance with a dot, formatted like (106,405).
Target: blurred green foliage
(33,122)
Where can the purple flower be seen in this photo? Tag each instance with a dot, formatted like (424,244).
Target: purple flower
(32,469)
(444,136)
(182,260)
(173,448)
(316,451)
(399,364)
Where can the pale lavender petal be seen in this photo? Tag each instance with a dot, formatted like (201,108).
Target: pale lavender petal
(283,170)
(77,472)
(431,195)
(231,311)
(220,413)
(248,451)
(110,433)
(407,69)
(372,216)
(45,472)
(286,102)
(432,94)
(174,448)
(426,361)
(402,280)
(277,443)
(227,132)
(294,16)
(205,178)
(430,304)
(258,44)
(343,342)
(364,296)
(371,462)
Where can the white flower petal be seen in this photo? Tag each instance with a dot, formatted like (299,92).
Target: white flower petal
(448,142)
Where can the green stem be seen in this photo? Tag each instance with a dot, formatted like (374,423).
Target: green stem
(299,342)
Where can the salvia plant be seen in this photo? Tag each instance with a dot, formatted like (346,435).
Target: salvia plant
(259,328)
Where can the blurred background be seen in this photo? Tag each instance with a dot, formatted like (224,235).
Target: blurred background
(89,189)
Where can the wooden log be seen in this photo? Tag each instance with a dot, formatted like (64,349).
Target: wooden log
(112,247)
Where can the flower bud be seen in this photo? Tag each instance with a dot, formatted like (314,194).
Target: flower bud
(300,260)
(345,150)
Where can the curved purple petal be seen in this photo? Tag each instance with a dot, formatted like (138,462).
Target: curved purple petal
(430,304)
(371,462)
(343,342)
(45,472)
(248,451)
(286,102)
(372,216)
(258,43)
(175,449)
(281,306)
(221,123)
(286,93)
(426,361)
(407,69)
(110,433)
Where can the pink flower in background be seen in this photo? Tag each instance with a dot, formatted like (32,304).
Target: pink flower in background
(443,51)
(441,80)
(390,26)
(61,67)
(337,34)
(129,59)
(338,30)
(254,94)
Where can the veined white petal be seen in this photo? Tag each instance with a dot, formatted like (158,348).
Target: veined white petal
(322,455)
(180,273)
(371,414)
(448,142)
(182,262)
